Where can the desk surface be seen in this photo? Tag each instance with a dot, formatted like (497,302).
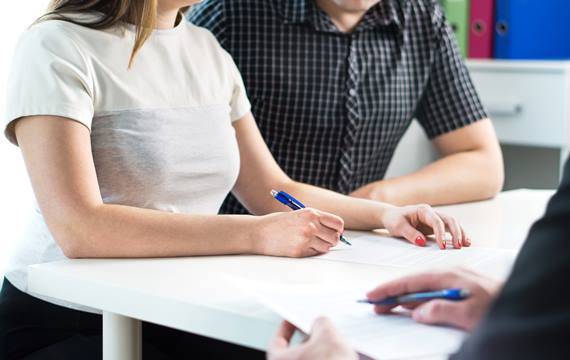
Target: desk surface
(193,294)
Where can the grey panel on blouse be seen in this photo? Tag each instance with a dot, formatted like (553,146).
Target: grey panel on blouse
(179,160)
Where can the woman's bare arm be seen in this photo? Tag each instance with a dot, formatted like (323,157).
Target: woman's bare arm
(58,156)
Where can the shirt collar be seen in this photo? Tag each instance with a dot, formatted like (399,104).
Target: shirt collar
(383,14)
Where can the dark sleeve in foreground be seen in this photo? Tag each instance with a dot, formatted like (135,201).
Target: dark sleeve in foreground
(449,101)
(531,317)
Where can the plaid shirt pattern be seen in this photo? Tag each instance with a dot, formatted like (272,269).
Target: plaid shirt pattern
(333,106)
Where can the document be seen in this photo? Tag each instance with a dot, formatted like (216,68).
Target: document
(394,336)
(385,251)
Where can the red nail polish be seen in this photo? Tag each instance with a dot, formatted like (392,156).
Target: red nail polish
(420,241)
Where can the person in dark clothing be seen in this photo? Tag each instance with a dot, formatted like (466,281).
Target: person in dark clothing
(335,84)
(528,317)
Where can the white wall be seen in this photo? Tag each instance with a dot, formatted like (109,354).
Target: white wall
(15,193)
(414,152)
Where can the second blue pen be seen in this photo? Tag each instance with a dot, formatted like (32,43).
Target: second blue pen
(295,204)
(446,294)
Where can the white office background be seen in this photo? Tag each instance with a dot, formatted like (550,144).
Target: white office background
(15,193)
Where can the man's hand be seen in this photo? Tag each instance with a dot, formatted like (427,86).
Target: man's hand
(324,343)
(464,314)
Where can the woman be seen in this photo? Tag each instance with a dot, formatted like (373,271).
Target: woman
(131,152)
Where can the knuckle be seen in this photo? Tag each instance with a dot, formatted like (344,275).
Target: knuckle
(313,214)
(435,309)
(336,238)
(309,230)
(439,223)
(312,228)
(455,224)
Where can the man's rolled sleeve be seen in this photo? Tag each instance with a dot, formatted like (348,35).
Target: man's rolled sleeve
(450,100)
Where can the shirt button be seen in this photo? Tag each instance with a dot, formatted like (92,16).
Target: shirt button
(352,92)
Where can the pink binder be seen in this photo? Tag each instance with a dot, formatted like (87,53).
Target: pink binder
(481,32)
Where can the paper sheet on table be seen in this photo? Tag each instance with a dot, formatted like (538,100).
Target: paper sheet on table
(375,250)
(376,336)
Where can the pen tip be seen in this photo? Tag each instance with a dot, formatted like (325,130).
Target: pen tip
(274,193)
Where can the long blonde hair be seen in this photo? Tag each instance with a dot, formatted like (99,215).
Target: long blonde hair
(141,13)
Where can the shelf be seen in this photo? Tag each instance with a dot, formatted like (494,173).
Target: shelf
(518,65)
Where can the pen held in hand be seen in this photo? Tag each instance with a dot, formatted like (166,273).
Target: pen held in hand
(446,294)
(295,204)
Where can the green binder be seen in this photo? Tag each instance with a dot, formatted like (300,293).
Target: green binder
(457,13)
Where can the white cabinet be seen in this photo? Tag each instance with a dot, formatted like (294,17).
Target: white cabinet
(528,102)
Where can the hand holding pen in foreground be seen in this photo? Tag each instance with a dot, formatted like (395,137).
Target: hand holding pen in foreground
(464,314)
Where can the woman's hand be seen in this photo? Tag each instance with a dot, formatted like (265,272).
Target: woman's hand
(464,314)
(416,221)
(300,233)
(324,343)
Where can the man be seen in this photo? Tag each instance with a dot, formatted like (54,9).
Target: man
(334,85)
(530,318)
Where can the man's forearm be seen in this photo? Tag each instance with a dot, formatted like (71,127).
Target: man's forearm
(462,177)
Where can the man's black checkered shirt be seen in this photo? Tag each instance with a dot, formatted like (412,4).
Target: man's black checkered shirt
(333,106)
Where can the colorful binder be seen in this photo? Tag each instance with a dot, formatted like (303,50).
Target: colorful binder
(457,13)
(532,29)
(481,29)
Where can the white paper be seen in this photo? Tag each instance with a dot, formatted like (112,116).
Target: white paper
(376,336)
(375,250)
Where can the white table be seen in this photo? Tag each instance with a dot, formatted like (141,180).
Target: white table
(192,294)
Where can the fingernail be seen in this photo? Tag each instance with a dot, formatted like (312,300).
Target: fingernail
(420,241)
(443,244)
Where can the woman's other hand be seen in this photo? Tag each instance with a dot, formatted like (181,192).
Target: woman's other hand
(415,222)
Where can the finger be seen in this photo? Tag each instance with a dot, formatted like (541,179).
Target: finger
(283,337)
(454,228)
(466,239)
(311,251)
(408,284)
(430,218)
(323,328)
(441,312)
(412,234)
(320,245)
(327,234)
(331,221)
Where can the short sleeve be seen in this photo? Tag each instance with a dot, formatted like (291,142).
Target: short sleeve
(450,100)
(239,102)
(49,76)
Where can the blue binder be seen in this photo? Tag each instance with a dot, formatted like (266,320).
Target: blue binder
(532,29)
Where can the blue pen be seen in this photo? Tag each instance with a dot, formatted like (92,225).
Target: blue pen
(447,294)
(295,204)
